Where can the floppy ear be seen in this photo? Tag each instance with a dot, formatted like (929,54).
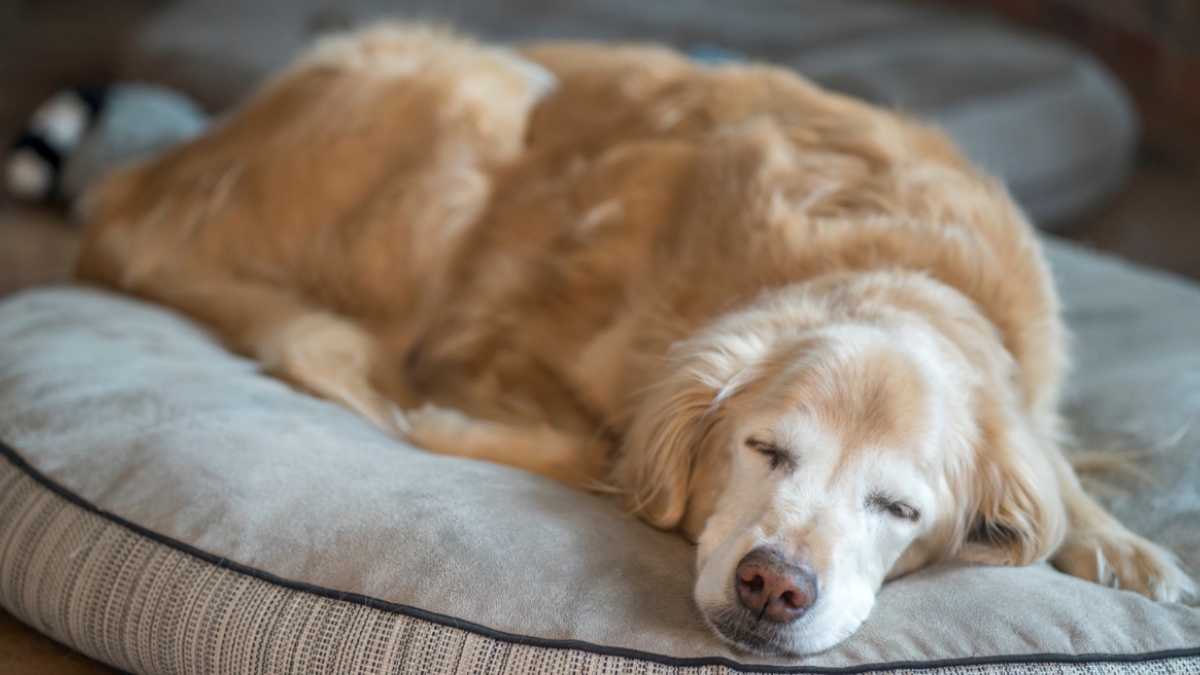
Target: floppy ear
(1016,514)
(655,467)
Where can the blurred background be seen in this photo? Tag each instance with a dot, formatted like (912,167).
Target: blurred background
(1088,109)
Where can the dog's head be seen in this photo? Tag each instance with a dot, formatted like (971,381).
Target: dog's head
(827,440)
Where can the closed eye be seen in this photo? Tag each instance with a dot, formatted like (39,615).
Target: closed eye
(894,507)
(780,458)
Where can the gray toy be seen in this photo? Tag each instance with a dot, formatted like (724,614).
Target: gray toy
(80,133)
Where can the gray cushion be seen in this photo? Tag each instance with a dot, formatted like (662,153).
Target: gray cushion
(145,419)
(1042,115)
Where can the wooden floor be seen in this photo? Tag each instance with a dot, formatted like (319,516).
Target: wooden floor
(50,43)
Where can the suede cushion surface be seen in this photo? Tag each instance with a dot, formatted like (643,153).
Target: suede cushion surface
(142,415)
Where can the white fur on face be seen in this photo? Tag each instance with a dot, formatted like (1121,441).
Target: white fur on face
(827,506)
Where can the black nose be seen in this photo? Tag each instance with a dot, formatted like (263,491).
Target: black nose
(775,586)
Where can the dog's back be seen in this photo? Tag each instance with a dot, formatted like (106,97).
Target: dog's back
(513,262)
(656,194)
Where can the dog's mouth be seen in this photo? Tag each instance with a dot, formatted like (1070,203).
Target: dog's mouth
(749,631)
(752,632)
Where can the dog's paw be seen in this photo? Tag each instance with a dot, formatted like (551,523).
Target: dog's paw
(1113,556)
(329,357)
(430,422)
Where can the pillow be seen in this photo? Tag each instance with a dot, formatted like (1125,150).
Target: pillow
(166,507)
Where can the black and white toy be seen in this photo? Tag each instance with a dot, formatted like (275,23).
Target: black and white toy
(79,133)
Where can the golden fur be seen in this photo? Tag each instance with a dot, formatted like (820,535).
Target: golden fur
(593,275)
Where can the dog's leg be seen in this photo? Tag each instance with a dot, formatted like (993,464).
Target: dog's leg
(1099,548)
(335,359)
(317,352)
(569,459)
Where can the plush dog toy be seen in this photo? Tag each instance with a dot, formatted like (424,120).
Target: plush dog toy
(81,132)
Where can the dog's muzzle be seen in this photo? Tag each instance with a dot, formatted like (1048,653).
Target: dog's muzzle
(773,591)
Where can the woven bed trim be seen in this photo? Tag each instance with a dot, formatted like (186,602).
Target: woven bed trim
(144,602)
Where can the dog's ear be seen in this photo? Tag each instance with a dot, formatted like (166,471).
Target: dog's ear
(1016,514)
(657,461)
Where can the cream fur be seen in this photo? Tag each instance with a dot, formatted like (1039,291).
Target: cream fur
(618,268)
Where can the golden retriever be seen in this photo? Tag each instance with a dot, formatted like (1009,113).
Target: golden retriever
(802,331)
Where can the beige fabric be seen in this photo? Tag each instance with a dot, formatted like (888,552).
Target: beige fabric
(143,606)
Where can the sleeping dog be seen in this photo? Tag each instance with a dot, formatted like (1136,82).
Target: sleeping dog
(802,331)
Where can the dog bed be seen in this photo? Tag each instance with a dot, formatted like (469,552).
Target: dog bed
(164,507)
